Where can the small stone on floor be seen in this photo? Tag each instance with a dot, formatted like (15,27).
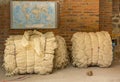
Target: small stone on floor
(89,73)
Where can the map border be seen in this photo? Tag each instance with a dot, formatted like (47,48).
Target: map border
(11,15)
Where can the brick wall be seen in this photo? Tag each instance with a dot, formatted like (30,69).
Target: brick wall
(73,16)
(116,6)
(106,15)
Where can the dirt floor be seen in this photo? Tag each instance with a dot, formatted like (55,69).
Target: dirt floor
(70,74)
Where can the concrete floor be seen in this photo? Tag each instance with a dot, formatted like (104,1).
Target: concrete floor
(70,74)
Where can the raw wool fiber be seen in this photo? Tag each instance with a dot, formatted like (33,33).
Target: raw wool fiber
(108,58)
(61,59)
(78,50)
(9,55)
(9,58)
(31,53)
(44,61)
(94,49)
(91,49)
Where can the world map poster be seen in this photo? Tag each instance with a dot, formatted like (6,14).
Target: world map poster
(33,14)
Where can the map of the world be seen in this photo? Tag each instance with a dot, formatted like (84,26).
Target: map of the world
(33,14)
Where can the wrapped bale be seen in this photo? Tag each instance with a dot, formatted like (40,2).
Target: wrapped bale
(61,59)
(31,53)
(90,49)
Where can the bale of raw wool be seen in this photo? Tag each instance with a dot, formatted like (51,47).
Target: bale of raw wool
(32,52)
(61,59)
(90,49)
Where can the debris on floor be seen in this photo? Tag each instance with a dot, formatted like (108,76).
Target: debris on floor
(89,73)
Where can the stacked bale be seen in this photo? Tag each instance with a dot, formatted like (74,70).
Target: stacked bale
(91,49)
(34,52)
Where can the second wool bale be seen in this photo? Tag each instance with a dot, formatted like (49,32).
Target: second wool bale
(91,49)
